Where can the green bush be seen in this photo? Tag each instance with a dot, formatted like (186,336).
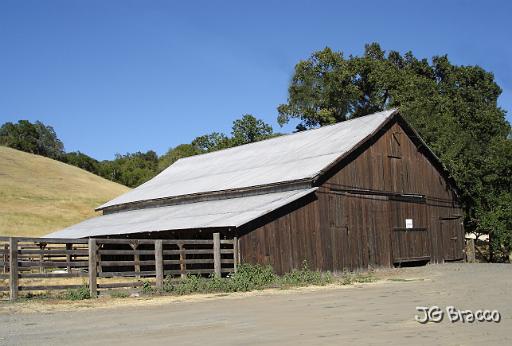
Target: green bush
(254,277)
(251,277)
(80,293)
(306,276)
(147,288)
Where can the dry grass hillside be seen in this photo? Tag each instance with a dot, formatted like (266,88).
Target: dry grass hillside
(39,195)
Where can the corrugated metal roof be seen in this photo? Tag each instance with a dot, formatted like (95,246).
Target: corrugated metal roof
(291,157)
(233,212)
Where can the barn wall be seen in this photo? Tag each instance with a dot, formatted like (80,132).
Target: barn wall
(286,238)
(390,165)
(342,228)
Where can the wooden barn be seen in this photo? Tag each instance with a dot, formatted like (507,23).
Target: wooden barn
(367,192)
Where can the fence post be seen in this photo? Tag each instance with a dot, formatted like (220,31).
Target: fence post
(93,283)
(41,258)
(136,259)
(13,268)
(216,255)
(470,251)
(159,264)
(183,265)
(6,257)
(235,254)
(69,247)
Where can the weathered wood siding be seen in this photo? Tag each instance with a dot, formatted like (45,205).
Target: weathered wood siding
(357,217)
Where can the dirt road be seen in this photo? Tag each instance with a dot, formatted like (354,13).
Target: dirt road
(378,313)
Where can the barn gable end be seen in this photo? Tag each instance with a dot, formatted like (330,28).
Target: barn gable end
(358,216)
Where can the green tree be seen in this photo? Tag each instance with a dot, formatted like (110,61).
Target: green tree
(35,138)
(176,153)
(47,141)
(454,108)
(212,142)
(249,130)
(82,161)
(130,169)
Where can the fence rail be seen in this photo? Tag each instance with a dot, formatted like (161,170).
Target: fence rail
(47,258)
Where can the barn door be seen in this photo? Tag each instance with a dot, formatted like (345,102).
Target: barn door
(410,244)
(452,235)
(341,246)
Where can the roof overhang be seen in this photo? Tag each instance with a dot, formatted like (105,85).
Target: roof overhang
(221,213)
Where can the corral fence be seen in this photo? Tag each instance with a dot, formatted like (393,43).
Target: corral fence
(28,259)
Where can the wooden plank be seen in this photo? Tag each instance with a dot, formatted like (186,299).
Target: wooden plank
(120,284)
(126,252)
(50,240)
(93,285)
(101,241)
(197,271)
(150,241)
(13,269)
(216,254)
(127,263)
(53,264)
(52,275)
(125,274)
(54,252)
(48,287)
(198,252)
(159,265)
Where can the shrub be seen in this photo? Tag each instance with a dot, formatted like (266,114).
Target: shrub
(80,293)
(306,276)
(250,277)
(253,277)
(147,288)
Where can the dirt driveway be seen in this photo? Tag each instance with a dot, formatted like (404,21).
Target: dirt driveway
(378,313)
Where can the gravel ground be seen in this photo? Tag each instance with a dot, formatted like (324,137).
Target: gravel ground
(378,313)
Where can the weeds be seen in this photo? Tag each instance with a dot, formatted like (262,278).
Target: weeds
(147,288)
(256,277)
(80,293)
(305,277)
(119,294)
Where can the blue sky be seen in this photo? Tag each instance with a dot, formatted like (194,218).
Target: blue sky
(124,76)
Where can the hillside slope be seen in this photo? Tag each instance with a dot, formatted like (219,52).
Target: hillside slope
(39,195)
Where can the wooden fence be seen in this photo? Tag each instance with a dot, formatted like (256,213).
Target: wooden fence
(47,258)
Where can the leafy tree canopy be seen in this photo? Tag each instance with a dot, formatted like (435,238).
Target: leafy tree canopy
(249,130)
(34,138)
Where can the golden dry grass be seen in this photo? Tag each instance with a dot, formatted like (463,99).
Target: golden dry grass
(39,195)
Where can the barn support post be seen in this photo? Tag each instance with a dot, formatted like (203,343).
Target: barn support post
(235,254)
(93,263)
(13,269)
(216,255)
(159,264)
